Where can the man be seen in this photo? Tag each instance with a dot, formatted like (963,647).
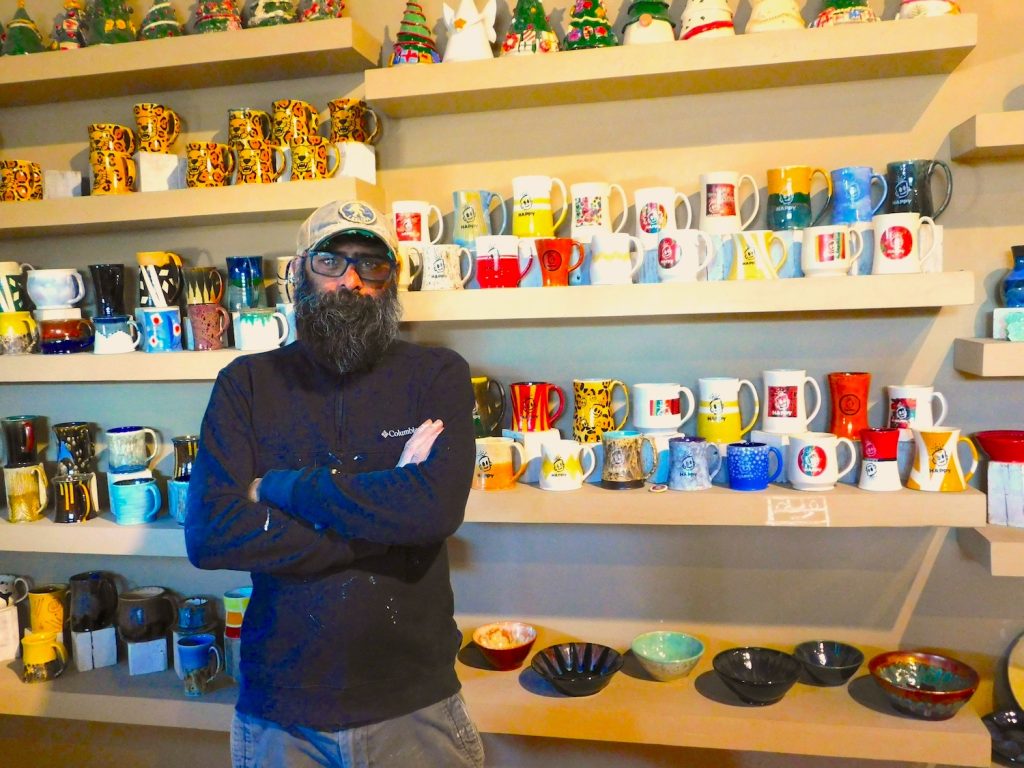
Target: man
(333,470)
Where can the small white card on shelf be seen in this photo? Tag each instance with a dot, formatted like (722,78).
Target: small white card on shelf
(61,184)
(158,172)
(358,160)
(94,650)
(1002,318)
(147,657)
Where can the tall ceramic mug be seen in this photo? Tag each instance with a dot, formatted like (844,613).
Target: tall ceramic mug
(720,205)
(658,406)
(562,465)
(656,213)
(203,285)
(879,470)
(498,261)
(936,463)
(910,187)
(410,264)
(813,460)
(443,267)
(532,409)
(832,250)
(718,411)
(353,120)
(785,404)
(694,461)
(624,465)
(898,243)
(909,406)
(488,405)
(159,126)
(246,125)
(494,463)
(20,444)
(412,221)
(48,608)
(615,259)
(848,391)
(160,278)
(295,121)
(753,260)
(208,164)
(472,215)
(851,201)
(314,158)
(555,259)
(591,209)
(12,286)
(789,196)
(593,401)
(25,487)
(532,206)
(683,254)
(260,162)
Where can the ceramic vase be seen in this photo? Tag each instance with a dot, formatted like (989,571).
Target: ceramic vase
(1011,287)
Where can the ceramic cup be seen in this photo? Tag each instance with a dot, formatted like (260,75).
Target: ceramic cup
(898,238)
(159,126)
(594,408)
(201,661)
(208,164)
(203,285)
(116,334)
(813,461)
(93,601)
(131,448)
(48,608)
(161,329)
(591,209)
(564,465)
(19,333)
(910,406)
(498,261)
(624,464)
(145,613)
(26,492)
(785,401)
(532,208)
(472,216)
(135,501)
(718,408)
(693,461)
(13,589)
(683,255)
(177,500)
(72,498)
(494,463)
(21,445)
(830,251)
(616,258)
(55,287)
(64,337)
(20,180)
(261,328)
(354,120)
(879,470)
(443,267)
(532,409)
(113,173)
(658,406)
(412,221)
(753,255)
(207,324)
(719,202)
(43,657)
(936,462)
(749,465)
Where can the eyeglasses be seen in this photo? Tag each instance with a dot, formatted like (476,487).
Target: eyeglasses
(371,269)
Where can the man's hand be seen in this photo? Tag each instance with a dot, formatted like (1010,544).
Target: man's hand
(253,493)
(417,447)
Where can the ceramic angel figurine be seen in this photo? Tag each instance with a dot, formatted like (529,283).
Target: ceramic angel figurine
(912,9)
(470,32)
(771,15)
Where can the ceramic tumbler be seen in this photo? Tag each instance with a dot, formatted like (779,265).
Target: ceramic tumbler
(185,449)
(245,282)
(177,500)
(108,286)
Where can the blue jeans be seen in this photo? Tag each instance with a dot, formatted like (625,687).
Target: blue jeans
(440,735)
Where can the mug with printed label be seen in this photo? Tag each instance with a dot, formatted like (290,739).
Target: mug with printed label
(936,463)
(693,462)
(718,411)
(879,470)
(909,406)
(752,259)
(412,221)
(532,409)
(592,408)
(624,466)
(442,267)
(813,463)
(830,251)
(532,209)
(656,213)
(657,406)
(472,215)
(851,201)
(848,391)
(785,404)
(494,463)
(719,202)
(683,254)
(898,243)
(26,492)
(789,196)
(615,258)
(555,259)
(564,465)
(591,209)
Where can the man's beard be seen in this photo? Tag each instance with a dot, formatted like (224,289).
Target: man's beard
(346,331)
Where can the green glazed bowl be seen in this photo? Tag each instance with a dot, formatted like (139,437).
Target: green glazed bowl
(667,656)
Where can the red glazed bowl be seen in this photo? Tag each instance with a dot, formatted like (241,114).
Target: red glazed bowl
(505,644)
(924,685)
(1003,444)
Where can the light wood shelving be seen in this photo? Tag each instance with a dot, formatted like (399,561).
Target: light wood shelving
(999,548)
(327,47)
(988,136)
(282,201)
(98,536)
(797,57)
(989,357)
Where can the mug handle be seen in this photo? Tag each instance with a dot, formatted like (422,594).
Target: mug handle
(638,262)
(853,455)
(175,121)
(87,493)
(611,396)
(219,292)
(226,152)
(133,331)
(943,406)
(529,265)
(154,493)
(24,583)
(225,319)
(79,287)
(469,260)
(501,206)
(858,248)
(44,496)
(578,247)
(156,444)
(681,198)
(553,417)
(690,404)
(625,206)
(565,207)
(280,170)
(757,200)
(709,249)
(62,654)
(828,187)
(440,224)
(778,463)
(419,263)
(776,266)
(501,402)
(949,184)
(934,246)
(218,659)
(654,456)
(757,408)
(377,125)
(522,458)
(885,191)
(332,169)
(588,450)
(974,457)
(817,403)
(714,469)
(282,322)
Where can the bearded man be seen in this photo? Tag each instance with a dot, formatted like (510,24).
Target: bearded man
(333,470)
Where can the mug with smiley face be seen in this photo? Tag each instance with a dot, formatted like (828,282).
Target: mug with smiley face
(936,463)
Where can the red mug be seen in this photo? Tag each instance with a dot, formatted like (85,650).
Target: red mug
(531,405)
(554,255)
(849,394)
(500,271)
(880,444)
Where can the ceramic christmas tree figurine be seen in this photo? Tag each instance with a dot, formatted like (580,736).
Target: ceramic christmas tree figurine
(313,10)
(529,31)
(707,18)
(844,12)
(160,21)
(912,9)
(771,15)
(3,38)
(414,44)
(470,32)
(589,27)
(108,22)
(215,16)
(67,27)
(23,36)
(268,13)
(648,23)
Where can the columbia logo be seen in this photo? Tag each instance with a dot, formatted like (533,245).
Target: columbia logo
(397,432)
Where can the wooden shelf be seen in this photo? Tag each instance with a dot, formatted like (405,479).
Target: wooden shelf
(988,136)
(99,536)
(131,366)
(786,58)
(327,47)
(851,721)
(989,357)
(283,201)
(846,506)
(999,548)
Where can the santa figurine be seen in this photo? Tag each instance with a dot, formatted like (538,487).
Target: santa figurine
(707,18)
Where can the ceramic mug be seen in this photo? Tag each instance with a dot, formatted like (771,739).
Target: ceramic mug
(246,125)
(909,406)
(497,261)
(75,447)
(789,196)
(848,391)
(161,329)
(19,333)
(351,119)
(472,216)
(207,324)
(554,259)
(752,260)
(20,180)
(160,278)
(683,254)
(718,410)
(488,405)
(494,464)
(412,221)
(830,251)
(108,287)
(593,401)
(43,657)
(203,285)
(72,498)
(657,406)
(532,409)
(261,328)
(442,267)
(47,606)
(693,461)
(201,661)
(20,443)
(879,470)
(591,209)
(145,613)
(813,463)
(245,282)
(209,164)
(159,126)
(615,258)
(259,162)
(25,487)
(656,213)
(562,465)
(410,264)
(910,187)
(852,199)
(623,466)
(295,121)
(285,278)
(936,463)
(749,466)
(111,137)
(13,589)
(177,500)
(127,449)
(785,404)
(113,173)
(12,286)
(116,334)
(311,159)
(897,238)
(64,337)
(719,202)
(93,603)
(532,208)
(55,287)
(135,501)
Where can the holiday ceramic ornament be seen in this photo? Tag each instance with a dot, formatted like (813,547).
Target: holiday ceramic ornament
(161,20)
(649,22)
(67,27)
(772,15)
(911,9)
(707,18)
(529,31)
(215,16)
(23,36)
(268,13)
(589,27)
(313,10)
(414,44)
(844,12)
(108,22)
(470,32)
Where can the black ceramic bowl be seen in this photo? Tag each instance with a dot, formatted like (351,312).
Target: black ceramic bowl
(757,675)
(828,662)
(577,669)
(1006,727)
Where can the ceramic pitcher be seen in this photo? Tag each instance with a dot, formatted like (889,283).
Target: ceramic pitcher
(592,413)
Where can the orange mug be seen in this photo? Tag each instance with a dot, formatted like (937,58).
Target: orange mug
(494,464)
(554,255)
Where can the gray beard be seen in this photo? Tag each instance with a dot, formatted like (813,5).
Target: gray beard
(346,331)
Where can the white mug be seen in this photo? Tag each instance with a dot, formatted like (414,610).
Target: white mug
(532,443)
(55,287)
(752,255)
(830,251)
(656,213)
(412,221)
(909,406)
(657,406)
(410,262)
(813,460)
(879,475)
(532,209)
(591,209)
(720,205)
(615,259)
(898,243)
(680,258)
(785,404)
(562,465)
(442,268)
(284,278)
(261,328)
(10,634)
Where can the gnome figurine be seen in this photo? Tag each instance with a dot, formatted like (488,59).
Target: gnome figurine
(470,32)
(67,27)
(838,12)
(707,18)
(23,36)
(529,31)
(772,15)
(912,9)
(649,22)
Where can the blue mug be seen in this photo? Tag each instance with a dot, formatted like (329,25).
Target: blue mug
(201,661)
(245,283)
(748,466)
(472,216)
(177,499)
(135,501)
(161,329)
(693,461)
(851,200)
(115,334)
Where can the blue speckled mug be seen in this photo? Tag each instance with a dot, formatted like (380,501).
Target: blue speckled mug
(748,466)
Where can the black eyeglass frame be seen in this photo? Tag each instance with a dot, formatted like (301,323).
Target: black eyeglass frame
(353,261)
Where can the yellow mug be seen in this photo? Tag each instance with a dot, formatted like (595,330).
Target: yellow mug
(752,255)
(349,121)
(494,464)
(47,607)
(259,162)
(718,415)
(20,180)
(246,125)
(311,159)
(111,136)
(113,172)
(26,491)
(294,121)
(159,126)
(936,464)
(44,657)
(209,164)
(157,258)
(592,411)
(19,333)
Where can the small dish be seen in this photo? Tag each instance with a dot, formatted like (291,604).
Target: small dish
(1002,444)
(759,676)
(577,669)
(667,656)
(924,685)
(505,643)
(828,662)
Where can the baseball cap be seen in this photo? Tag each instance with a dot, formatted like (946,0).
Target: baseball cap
(340,217)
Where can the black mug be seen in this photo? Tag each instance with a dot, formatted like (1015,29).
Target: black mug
(20,440)
(75,448)
(910,187)
(185,448)
(145,614)
(165,280)
(72,498)
(108,285)
(94,601)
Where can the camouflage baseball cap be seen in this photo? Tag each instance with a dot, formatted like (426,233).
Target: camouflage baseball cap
(346,217)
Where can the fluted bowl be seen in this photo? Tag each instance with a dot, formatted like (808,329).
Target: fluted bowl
(757,675)
(577,669)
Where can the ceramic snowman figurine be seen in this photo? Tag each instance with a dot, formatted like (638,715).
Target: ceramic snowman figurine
(707,18)
(470,32)
(771,15)
(911,9)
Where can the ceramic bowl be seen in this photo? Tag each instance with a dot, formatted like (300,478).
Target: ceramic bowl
(667,655)
(1002,444)
(828,662)
(924,685)
(1006,727)
(757,675)
(577,669)
(505,643)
